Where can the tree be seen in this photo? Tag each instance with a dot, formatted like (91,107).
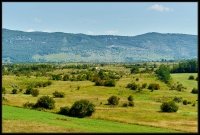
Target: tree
(134,70)
(113,100)
(169,107)
(163,73)
(45,102)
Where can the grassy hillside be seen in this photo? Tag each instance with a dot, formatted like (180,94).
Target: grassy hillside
(24,120)
(147,104)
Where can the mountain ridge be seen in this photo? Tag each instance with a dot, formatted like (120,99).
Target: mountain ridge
(21,46)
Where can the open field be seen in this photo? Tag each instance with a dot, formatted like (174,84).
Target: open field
(38,121)
(106,118)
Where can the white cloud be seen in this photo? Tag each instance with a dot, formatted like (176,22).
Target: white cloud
(30,30)
(90,32)
(111,32)
(160,8)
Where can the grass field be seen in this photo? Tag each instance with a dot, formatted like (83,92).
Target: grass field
(146,110)
(32,121)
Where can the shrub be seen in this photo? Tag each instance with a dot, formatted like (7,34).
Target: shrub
(109,83)
(14,91)
(28,90)
(132,86)
(45,102)
(130,98)
(131,103)
(3,90)
(154,86)
(137,79)
(185,102)
(66,78)
(169,107)
(113,100)
(58,94)
(144,85)
(178,99)
(81,109)
(134,70)
(194,91)
(64,110)
(191,77)
(35,92)
(193,104)
(189,102)
(125,105)
(28,105)
(163,73)
(197,78)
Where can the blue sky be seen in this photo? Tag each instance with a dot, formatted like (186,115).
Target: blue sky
(100,18)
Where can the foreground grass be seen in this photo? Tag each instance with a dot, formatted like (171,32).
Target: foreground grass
(24,120)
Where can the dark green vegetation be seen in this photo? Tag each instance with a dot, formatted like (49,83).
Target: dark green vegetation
(21,46)
(169,107)
(119,103)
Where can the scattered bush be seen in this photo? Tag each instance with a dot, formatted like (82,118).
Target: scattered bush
(169,107)
(131,103)
(194,91)
(35,92)
(113,100)
(57,94)
(154,86)
(191,77)
(109,83)
(132,86)
(14,91)
(45,102)
(28,105)
(82,108)
(3,90)
(64,110)
(144,85)
(28,90)
(130,98)
(125,105)
(185,102)
(178,99)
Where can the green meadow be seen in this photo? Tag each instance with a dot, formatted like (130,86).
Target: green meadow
(145,116)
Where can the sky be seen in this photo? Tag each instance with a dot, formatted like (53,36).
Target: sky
(101,18)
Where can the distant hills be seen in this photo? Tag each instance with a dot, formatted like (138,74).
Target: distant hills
(19,46)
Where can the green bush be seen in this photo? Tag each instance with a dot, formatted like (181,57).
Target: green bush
(169,107)
(64,110)
(28,105)
(14,91)
(57,94)
(163,73)
(110,83)
(132,86)
(185,102)
(28,90)
(45,102)
(178,99)
(131,103)
(130,98)
(3,90)
(35,92)
(137,79)
(144,85)
(197,78)
(82,108)
(134,70)
(113,100)
(154,86)
(125,105)
(191,77)
(194,91)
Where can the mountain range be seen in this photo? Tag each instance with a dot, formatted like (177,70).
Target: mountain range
(20,46)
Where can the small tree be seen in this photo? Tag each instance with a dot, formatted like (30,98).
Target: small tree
(45,102)
(82,108)
(59,94)
(14,91)
(163,73)
(110,83)
(144,85)
(28,90)
(64,110)
(185,102)
(191,77)
(154,86)
(3,90)
(134,70)
(194,91)
(130,98)
(113,100)
(169,107)
(35,92)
